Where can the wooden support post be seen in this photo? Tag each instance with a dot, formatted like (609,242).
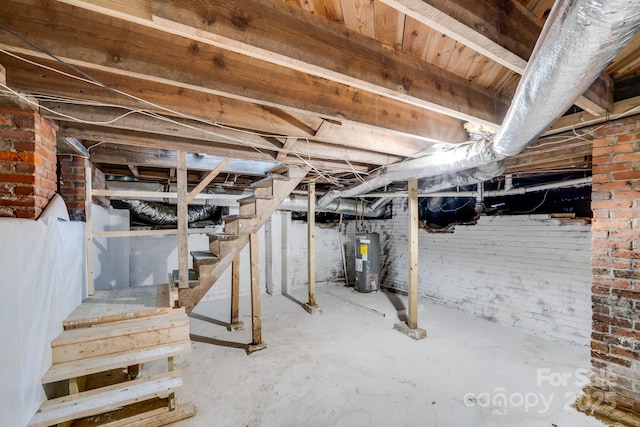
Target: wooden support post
(311,306)
(172,396)
(88,230)
(183,236)
(235,324)
(413,254)
(256,322)
(411,327)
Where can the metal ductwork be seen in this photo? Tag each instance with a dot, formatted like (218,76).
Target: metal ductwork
(166,214)
(463,178)
(579,39)
(343,206)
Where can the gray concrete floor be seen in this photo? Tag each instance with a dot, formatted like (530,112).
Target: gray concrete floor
(348,367)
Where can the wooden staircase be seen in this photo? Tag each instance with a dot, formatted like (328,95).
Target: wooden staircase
(96,358)
(269,193)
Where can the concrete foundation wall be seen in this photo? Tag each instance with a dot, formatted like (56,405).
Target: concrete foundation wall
(530,272)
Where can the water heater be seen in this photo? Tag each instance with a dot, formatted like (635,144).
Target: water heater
(367,262)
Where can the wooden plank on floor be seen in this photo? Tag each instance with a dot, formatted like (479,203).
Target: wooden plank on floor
(105,399)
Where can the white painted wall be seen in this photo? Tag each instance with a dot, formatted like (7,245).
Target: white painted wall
(527,271)
(42,265)
(328,258)
(110,255)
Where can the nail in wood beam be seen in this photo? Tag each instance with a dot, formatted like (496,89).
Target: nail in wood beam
(207,179)
(183,236)
(256,322)
(411,327)
(235,324)
(311,306)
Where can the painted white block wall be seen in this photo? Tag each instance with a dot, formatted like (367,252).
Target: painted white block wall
(42,264)
(527,271)
(327,254)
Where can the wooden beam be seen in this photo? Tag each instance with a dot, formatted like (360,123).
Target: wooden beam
(146,233)
(207,180)
(88,230)
(183,225)
(311,238)
(134,170)
(413,254)
(580,120)
(235,290)
(137,194)
(502,30)
(71,146)
(3,75)
(288,146)
(402,118)
(256,323)
(347,135)
(282,44)
(138,139)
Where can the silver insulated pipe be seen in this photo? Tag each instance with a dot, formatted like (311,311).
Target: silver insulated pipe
(579,39)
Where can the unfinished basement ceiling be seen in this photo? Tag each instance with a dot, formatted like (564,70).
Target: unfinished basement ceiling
(345,86)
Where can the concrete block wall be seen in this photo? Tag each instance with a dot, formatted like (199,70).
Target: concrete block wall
(615,345)
(27,163)
(528,271)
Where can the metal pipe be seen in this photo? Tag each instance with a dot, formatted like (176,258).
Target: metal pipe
(579,182)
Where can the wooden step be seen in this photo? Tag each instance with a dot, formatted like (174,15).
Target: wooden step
(92,365)
(150,413)
(222,236)
(105,399)
(237,217)
(202,260)
(116,337)
(251,199)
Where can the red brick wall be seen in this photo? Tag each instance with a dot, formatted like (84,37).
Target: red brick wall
(615,258)
(72,184)
(27,163)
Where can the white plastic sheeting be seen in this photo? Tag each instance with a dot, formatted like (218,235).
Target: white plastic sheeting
(42,266)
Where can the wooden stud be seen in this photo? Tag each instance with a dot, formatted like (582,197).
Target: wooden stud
(256,323)
(172,396)
(134,171)
(235,289)
(413,254)
(311,237)
(89,230)
(207,179)
(183,236)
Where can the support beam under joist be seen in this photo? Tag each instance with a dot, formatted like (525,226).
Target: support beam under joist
(207,179)
(312,307)
(235,324)
(256,321)
(411,326)
(183,236)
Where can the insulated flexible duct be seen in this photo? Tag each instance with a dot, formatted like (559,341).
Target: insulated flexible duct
(166,214)
(579,39)
(344,206)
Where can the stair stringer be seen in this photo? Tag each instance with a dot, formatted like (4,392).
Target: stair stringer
(189,297)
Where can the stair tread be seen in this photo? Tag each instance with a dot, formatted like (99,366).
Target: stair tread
(267,181)
(280,169)
(104,399)
(251,199)
(234,217)
(222,236)
(92,365)
(204,257)
(193,277)
(173,319)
